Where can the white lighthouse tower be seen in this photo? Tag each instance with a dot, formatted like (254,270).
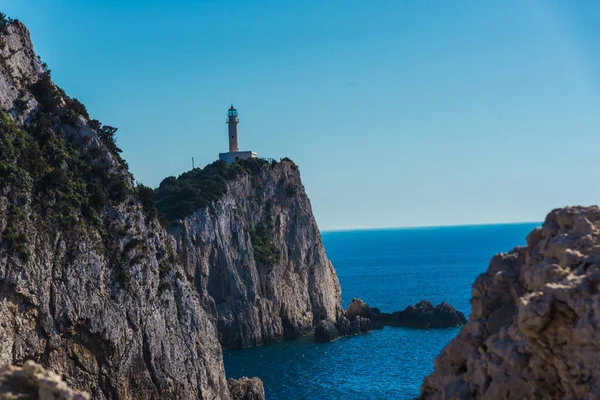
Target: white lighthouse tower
(234,152)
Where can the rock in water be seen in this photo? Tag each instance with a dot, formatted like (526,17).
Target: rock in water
(356,308)
(424,316)
(246,389)
(326,331)
(533,332)
(257,257)
(360,325)
(33,382)
(344,326)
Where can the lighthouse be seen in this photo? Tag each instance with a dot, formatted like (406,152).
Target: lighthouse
(234,152)
(232,123)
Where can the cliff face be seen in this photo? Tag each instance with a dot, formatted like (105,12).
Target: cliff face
(90,284)
(19,68)
(534,331)
(256,256)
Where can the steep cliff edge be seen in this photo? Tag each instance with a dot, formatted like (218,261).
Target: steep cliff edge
(256,256)
(534,330)
(90,284)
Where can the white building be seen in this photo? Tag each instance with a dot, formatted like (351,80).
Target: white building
(234,152)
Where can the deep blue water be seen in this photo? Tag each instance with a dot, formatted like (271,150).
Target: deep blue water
(389,269)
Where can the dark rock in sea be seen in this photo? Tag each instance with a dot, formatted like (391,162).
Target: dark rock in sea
(343,326)
(359,308)
(360,325)
(246,389)
(326,331)
(360,318)
(424,316)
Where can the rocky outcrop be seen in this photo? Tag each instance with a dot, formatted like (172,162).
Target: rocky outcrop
(423,316)
(90,284)
(19,69)
(246,389)
(420,316)
(326,331)
(257,258)
(358,308)
(33,382)
(533,330)
(360,318)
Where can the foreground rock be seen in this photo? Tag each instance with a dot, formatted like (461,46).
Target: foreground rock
(33,382)
(360,318)
(533,330)
(246,389)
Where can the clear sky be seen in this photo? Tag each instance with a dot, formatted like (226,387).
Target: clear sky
(398,113)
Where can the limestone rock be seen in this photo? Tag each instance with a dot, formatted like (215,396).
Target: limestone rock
(360,325)
(19,68)
(246,389)
(344,326)
(35,383)
(356,308)
(326,331)
(256,300)
(533,331)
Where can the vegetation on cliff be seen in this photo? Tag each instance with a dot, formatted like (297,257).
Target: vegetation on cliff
(179,197)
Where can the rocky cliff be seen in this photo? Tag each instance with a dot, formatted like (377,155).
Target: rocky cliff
(90,283)
(95,287)
(534,330)
(256,256)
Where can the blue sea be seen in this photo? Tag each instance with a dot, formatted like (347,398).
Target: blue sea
(389,269)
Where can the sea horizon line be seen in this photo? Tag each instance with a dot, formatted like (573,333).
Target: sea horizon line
(391,228)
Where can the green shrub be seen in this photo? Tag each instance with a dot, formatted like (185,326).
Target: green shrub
(170,255)
(69,117)
(265,251)
(46,93)
(179,197)
(117,189)
(132,244)
(94,124)
(123,276)
(16,176)
(291,191)
(16,243)
(164,269)
(20,104)
(146,196)
(5,22)
(77,107)
(97,197)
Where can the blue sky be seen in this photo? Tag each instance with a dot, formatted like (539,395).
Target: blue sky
(398,113)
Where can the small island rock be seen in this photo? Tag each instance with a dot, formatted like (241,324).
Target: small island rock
(424,316)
